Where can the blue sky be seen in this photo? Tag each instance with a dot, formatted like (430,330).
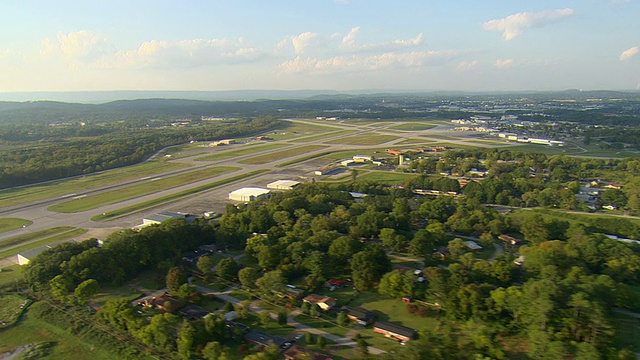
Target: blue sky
(474,45)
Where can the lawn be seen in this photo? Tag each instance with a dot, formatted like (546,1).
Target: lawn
(391,310)
(295,130)
(174,197)
(627,331)
(67,346)
(303,159)
(10,275)
(60,188)
(11,308)
(266,158)
(417,142)
(148,187)
(390,178)
(366,139)
(8,224)
(321,136)
(413,127)
(240,151)
(325,323)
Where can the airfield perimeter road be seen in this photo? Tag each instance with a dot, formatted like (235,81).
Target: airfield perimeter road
(215,199)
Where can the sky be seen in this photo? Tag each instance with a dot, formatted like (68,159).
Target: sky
(213,45)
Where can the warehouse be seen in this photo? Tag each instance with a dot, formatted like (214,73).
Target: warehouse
(283,185)
(248,194)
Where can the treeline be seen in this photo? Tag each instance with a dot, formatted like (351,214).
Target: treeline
(70,157)
(125,254)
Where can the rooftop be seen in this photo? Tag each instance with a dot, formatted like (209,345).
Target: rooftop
(250,191)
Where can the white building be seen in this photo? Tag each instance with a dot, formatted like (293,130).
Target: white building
(362,158)
(248,194)
(283,185)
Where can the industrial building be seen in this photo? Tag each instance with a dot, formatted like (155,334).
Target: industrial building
(26,256)
(283,185)
(248,194)
(160,217)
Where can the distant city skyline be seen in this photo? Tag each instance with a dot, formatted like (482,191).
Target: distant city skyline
(197,45)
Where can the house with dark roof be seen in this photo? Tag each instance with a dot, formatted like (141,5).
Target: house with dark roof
(193,312)
(26,256)
(394,331)
(359,315)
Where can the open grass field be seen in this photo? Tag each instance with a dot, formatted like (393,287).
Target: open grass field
(391,178)
(303,159)
(347,154)
(10,309)
(283,154)
(366,139)
(12,241)
(321,136)
(10,274)
(323,323)
(149,187)
(413,127)
(416,142)
(6,250)
(173,197)
(295,129)
(240,150)
(67,346)
(8,224)
(21,195)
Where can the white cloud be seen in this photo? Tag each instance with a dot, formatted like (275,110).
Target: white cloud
(302,41)
(512,25)
(350,38)
(503,63)
(337,64)
(467,65)
(184,53)
(79,45)
(629,53)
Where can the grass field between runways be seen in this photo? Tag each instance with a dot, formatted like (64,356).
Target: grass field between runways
(59,188)
(287,153)
(148,187)
(8,224)
(240,150)
(366,139)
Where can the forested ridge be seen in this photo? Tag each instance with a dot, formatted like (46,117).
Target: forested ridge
(38,153)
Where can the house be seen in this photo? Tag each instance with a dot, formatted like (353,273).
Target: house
(334,283)
(262,340)
(193,312)
(509,239)
(359,315)
(472,245)
(298,353)
(291,293)
(324,302)
(394,331)
(163,302)
(442,253)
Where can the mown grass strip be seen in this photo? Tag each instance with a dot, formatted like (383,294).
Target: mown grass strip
(303,159)
(146,188)
(173,197)
(59,188)
(366,139)
(413,127)
(50,240)
(263,159)
(247,150)
(8,224)
(34,235)
(321,136)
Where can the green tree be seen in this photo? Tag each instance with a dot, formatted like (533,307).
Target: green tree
(342,318)
(321,342)
(368,266)
(215,351)
(86,289)
(265,317)
(283,317)
(205,264)
(186,340)
(271,281)
(227,269)
(175,278)
(395,284)
(61,285)
(248,277)
(457,248)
